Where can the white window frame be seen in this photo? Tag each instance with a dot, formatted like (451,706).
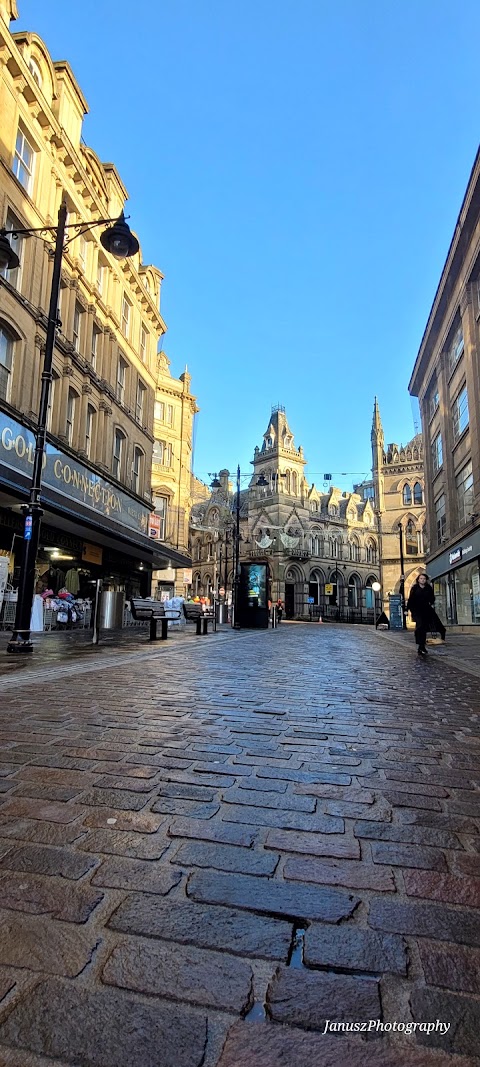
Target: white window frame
(24,161)
(71,413)
(96,333)
(160,410)
(169,415)
(77,325)
(89,430)
(122,367)
(140,402)
(14,277)
(7,355)
(126,317)
(144,337)
(119,439)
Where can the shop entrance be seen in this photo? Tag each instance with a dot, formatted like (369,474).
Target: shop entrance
(289,600)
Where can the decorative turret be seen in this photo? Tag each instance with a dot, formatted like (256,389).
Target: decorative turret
(377,438)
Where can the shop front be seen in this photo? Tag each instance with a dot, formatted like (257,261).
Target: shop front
(93,536)
(456,582)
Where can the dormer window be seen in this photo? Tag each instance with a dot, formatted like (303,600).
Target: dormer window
(35,71)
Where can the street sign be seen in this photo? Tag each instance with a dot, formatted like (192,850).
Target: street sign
(28,528)
(396,613)
(310,600)
(329,589)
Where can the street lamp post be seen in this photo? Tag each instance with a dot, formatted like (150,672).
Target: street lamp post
(376,589)
(236,568)
(402,577)
(120,242)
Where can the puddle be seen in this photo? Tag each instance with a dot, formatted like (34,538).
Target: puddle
(256,1014)
(296,953)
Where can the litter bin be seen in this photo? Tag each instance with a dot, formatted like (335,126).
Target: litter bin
(111,609)
(221,613)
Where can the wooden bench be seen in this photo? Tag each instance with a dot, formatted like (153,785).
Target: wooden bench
(152,611)
(195,613)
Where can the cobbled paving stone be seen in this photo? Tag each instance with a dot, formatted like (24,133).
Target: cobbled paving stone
(188,835)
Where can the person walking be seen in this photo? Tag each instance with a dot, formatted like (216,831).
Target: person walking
(420,604)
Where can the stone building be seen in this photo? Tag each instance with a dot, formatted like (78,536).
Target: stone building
(97,479)
(446,379)
(321,548)
(172,479)
(397,491)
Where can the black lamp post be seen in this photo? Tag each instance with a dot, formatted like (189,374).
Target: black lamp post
(402,577)
(121,243)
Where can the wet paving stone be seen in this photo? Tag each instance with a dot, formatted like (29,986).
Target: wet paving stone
(212,830)
(40,859)
(61,813)
(268,799)
(271,898)
(143,875)
(399,855)
(178,972)
(140,823)
(350,949)
(444,887)
(44,896)
(450,967)
(409,835)
(463,1014)
(102,1027)
(45,833)
(115,798)
(430,920)
(225,858)
(125,843)
(348,873)
(284,819)
(301,998)
(272,1045)
(42,944)
(314,844)
(224,929)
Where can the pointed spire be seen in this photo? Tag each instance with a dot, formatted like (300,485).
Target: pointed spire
(376,421)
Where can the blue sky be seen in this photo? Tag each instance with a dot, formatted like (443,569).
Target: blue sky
(296,171)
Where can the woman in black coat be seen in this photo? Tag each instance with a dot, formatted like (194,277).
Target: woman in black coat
(420,604)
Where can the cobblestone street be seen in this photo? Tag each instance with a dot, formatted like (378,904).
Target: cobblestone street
(211,847)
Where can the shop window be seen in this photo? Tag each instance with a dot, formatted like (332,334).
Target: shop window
(440,519)
(407,496)
(24,161)
(417,494)
(460,413)
(7,344)
(437,453)
(14,277)
(118,450)
(464,487)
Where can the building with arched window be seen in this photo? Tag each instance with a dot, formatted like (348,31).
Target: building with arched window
(96,491)
(397,486)
(321,548)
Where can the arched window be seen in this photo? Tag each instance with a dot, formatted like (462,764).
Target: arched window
(407,495)
(411,540)
(35,71)
(7,343)
(197,583)
(288,484)
(294,483)
(371,551)
(71,416)
(354,588)
(334,547)
(417,494)
(354,550)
